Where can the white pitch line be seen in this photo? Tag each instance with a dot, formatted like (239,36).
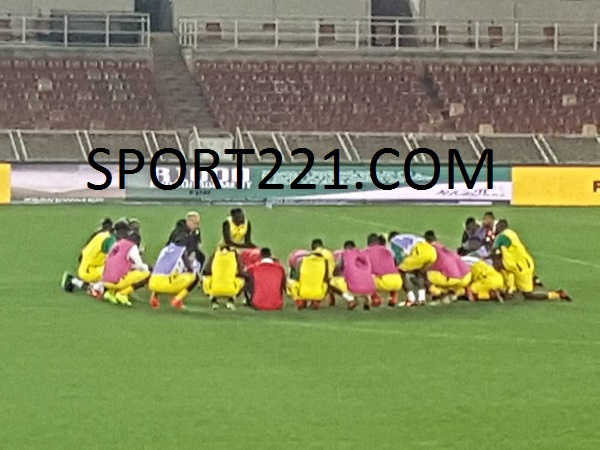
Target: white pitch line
(412,334)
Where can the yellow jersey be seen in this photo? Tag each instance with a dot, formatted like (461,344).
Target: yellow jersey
(93,254)
(328,255)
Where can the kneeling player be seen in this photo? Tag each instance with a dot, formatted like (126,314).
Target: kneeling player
(91,260)
(386,275)
(312,284)
(175,273)
(266,283)
(448,274)
(486,284)
(517,266)
(223,277)
(124,271)
(358,275)
(413,268)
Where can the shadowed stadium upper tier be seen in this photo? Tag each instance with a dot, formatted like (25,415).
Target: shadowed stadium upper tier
(530,95)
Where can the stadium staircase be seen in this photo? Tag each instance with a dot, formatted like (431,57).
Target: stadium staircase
(178,90)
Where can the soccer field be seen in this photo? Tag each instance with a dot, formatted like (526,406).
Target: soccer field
(78,373)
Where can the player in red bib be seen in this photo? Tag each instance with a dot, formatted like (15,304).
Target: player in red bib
(267,283)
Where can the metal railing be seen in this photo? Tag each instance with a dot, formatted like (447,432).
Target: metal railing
(383,33)
(112,30)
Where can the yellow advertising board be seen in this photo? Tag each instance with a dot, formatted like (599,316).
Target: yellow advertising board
(556,186)
(4,184)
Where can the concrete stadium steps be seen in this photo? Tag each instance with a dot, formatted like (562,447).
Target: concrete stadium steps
(575,150)
(513,150)
(29,145)
(177,88)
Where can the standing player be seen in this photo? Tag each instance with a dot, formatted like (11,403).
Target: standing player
(175,273)
(237,230)
(91,260)
(517,266)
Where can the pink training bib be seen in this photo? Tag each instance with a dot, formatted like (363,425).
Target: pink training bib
(358,272)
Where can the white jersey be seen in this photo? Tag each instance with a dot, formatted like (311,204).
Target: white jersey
(406,242)
(472,259)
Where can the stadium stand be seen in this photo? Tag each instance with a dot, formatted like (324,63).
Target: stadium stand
(57,93)
(369,96)
(61,103)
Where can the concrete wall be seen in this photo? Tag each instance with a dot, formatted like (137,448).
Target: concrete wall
(271,8)
(27,7)
(552,10)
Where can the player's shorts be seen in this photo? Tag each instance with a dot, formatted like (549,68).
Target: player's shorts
(440,280)
(90,274)
(339,284)
(483,287)
(522,270)
(231,289)
(171,284)
(134,277)
(422,256)
(390,282)
(298,291)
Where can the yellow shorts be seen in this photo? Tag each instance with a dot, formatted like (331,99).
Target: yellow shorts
(131,279)
(484,286)
(90,274)
(231,289)
(391,282)
(440,280)
(171,284)
(339,284)
(422,255)
(298,291)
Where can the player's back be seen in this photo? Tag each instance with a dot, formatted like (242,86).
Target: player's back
(516,248)
(92,253)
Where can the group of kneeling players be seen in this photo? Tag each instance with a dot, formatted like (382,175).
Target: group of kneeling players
(491,264)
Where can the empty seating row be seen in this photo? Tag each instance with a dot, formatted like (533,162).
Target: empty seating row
(79,94)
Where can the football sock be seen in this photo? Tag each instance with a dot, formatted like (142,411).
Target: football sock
(411,297)
(421,296)
(182,295)
(77,282)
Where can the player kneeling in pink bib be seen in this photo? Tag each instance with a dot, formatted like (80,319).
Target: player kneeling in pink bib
(356,268)
(448,274)
(388,280)
(124,270)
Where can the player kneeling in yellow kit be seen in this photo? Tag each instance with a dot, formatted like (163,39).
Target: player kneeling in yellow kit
(312,283)
(91,260)
(223,277)
(487,283)
(517,266)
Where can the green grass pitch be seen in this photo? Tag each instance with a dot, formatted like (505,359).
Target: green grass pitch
(78,373)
